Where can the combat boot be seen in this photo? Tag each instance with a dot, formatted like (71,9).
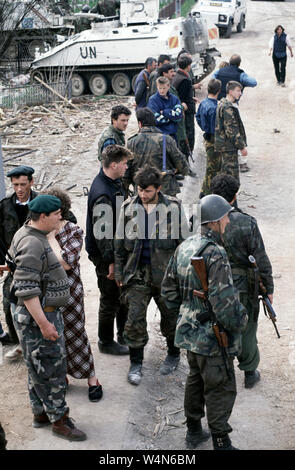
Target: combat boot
(170,364)
(39,421)
(222,443)
(66,429)
(113,348)
(251,378)
(134,374)
(195,434)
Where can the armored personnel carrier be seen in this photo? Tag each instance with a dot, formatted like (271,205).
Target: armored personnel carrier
(109,56)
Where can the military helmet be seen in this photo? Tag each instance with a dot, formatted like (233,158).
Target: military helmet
(213,208)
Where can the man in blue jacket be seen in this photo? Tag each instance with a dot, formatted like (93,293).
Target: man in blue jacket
(166,108)
(233,73)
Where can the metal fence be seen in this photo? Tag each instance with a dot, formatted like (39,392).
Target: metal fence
(33,94)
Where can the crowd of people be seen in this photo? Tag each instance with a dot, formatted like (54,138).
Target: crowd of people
(143,247)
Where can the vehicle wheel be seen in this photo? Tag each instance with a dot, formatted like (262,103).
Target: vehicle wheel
(241,24)
(78,85)
(228,31)
(121,84)
(98,84)
(133,82)
(37,73)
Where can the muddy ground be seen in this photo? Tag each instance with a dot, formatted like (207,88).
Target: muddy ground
(151,416)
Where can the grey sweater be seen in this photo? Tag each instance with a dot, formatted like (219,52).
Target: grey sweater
(34,257)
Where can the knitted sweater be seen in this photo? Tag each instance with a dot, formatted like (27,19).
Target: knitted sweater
(34,257)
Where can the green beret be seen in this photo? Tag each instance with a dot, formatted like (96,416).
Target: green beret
(21,170)
(44,203)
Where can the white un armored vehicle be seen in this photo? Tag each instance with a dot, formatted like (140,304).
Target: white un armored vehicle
(109,56)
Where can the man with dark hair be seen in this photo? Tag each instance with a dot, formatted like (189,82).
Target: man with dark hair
(13,213)
(104,200)
(278,47)
(41,287)
(230,135)
(232,72)
(114,133)
(184,86)
(205,117)
(142,83)
(150,227)
(166,108)
(241,239)
(150,147)
(162,59)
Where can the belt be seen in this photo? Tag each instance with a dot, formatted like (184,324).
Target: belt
(49,309)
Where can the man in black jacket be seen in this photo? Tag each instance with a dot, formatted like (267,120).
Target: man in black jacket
(13,213)
(184,86)
(104,202)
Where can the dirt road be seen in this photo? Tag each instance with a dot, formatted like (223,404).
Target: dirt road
(151,415)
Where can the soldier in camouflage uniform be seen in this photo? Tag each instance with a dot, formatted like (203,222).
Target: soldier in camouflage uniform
(230,134)
(241,239)
(107,7)
(114,134)
(147,148)
(151,226)
(13,213)
(41,286)
(208,382)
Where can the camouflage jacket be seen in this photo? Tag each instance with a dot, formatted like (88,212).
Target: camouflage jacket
(243,238)
(168,231)
(147,148)
(177,290)
(110,132)
(230,133)
(9,223)
(181,132)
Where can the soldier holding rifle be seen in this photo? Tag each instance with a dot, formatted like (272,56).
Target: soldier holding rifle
(209,326)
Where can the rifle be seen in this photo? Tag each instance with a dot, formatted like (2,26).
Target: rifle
(263,297)
(199,266)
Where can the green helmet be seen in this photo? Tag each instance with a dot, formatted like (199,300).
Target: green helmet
(213,208)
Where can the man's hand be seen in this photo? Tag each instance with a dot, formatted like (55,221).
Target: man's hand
(196,100)
(270,296)
(244,152)
(49,332)
(111,275)
(197,86)
(184,105)
(119,283)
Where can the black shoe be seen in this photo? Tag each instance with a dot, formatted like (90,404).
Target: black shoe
(6,339)
(191,173)
(113,348)
(134,373)
(121,340)
(179,177)
(222,443)
(193,438)
(95,392)
(251,378)
(170,364)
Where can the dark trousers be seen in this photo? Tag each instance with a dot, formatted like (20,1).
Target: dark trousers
(190,129)
(6,308)
(110,308)
(208,384)
(280,68)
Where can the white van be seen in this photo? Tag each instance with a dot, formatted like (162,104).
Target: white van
(225,14)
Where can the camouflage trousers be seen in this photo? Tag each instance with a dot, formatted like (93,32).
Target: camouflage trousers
(138,295)
(230,164)
(213,165)
(249,357)
(6,307)
(208,385)
(45,361)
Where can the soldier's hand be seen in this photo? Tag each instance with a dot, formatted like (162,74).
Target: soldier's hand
(111,275)
(49,332)
(270,296)
(244,152)
(119,283)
